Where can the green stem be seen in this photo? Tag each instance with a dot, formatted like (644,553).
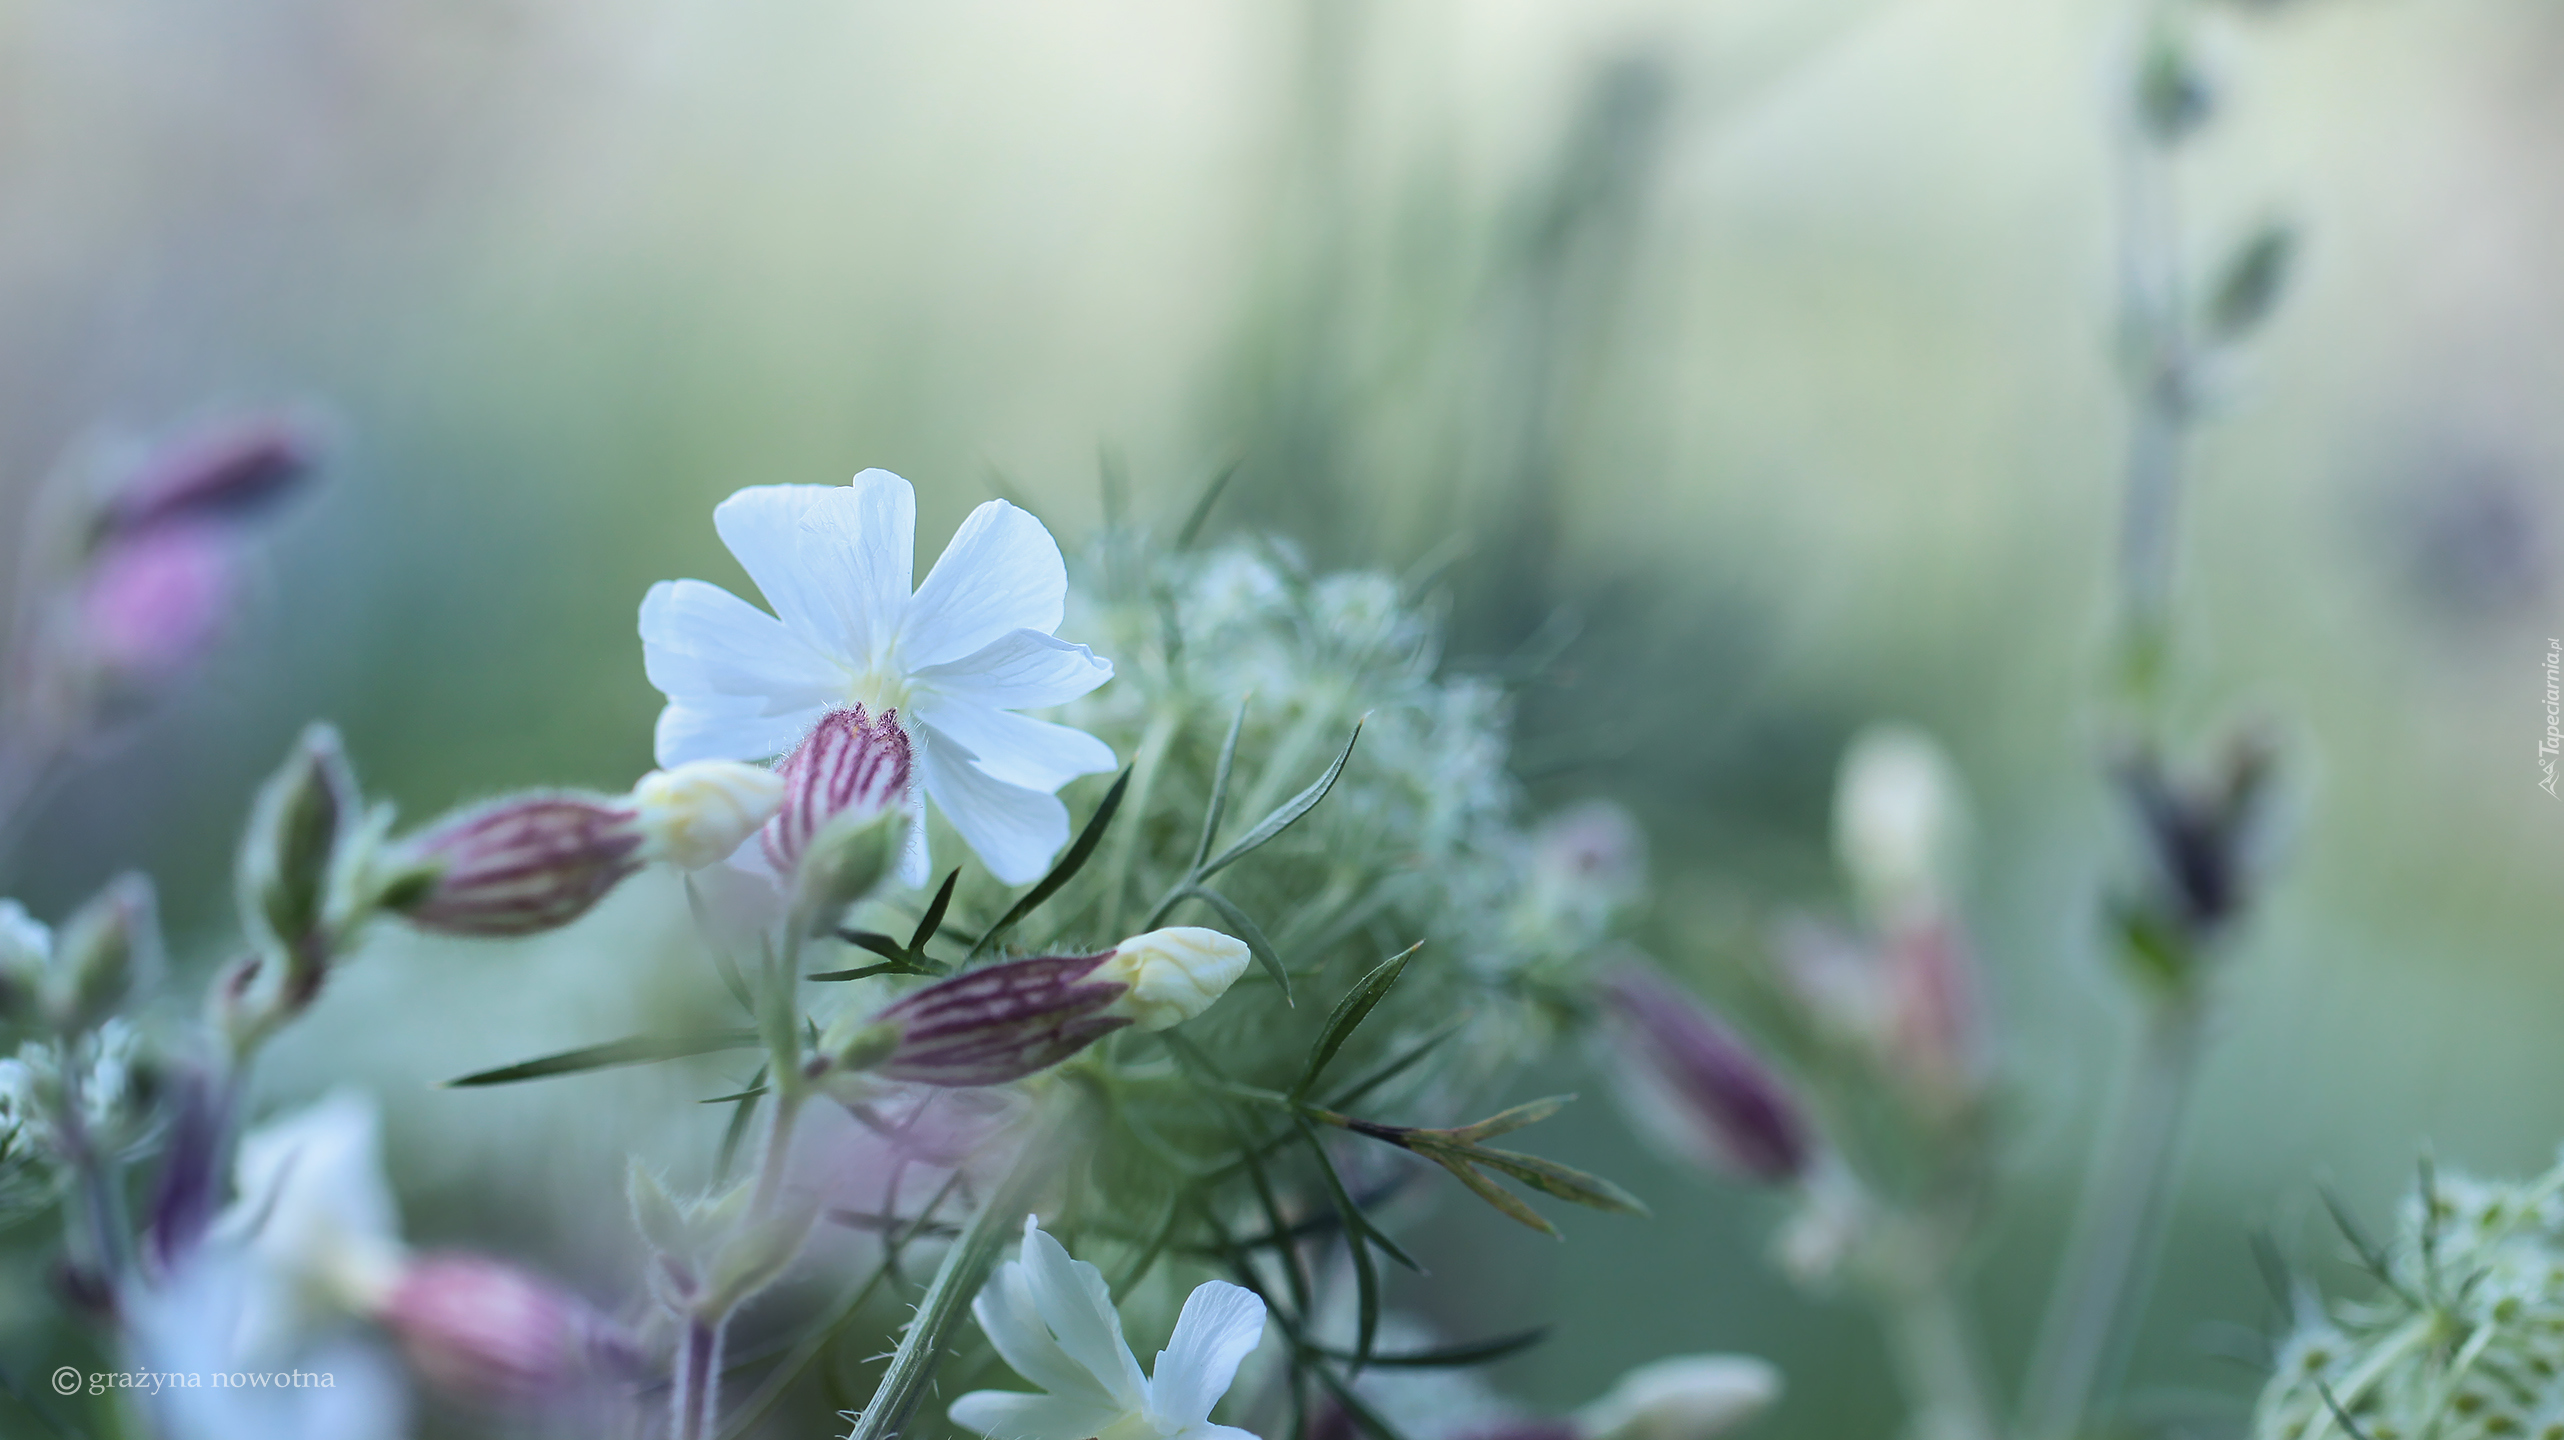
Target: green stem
(2101,1288)
(965,1268)
(1936,1361)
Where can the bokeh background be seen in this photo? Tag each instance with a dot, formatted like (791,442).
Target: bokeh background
(1752,356)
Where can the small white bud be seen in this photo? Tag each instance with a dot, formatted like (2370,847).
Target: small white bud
(1682,1397)
(1900,817)
(1174,974)
(695,815)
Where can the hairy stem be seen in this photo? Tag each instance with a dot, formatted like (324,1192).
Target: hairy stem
(696,1397)
(965,1268)
(2083,1338)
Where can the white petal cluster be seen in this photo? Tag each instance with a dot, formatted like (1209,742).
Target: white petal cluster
(1052,1319)
(955,658)
(696,814)
(1174,974)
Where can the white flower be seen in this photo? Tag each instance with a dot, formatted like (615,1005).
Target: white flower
(1174,973)
(955,659)
(316,1218)
(1053,1320)
(1682,1397)
(695,815)
(1900,816)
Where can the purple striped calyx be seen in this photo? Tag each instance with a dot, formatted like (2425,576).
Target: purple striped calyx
(519,866)
(982,1027)
(851,767)
(1697,1087)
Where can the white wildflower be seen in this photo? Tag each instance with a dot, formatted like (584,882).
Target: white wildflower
(955,660)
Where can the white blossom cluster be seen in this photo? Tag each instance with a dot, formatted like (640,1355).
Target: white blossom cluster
(2463,1339)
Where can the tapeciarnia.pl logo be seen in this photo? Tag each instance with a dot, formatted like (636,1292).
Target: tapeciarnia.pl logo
(2554,741)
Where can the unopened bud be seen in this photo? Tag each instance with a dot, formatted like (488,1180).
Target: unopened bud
(1900,818)
(845,862)
(753,1257)
(521,865)
(154,604)
(697,814)
(984,1027)
(1695,1087)
(224,472)
(26,950)
(1682,1397)
(493,1336)
(287,853)
(107,951)
(1173,974)
(850,767)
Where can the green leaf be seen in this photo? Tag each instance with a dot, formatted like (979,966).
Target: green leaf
(1349,1012)
(737,1130)
(1405,1061)
(2249,288)
(1219,805)
(1246,929)
(1505,1201)
(1358,1409)
(1285,813)
(1061,873)
(1357,1232)
(1452,1357)
(878,943)
(639,1050)
(1564,1181)
(866,972)
(933,919)
(1192,527)
(1505,1122)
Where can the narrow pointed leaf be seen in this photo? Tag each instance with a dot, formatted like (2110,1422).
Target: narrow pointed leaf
(639,1050)
(878,943)
(1285,813)
(1453,1357)
(1507,1121)
(1247,930)
(1405,1061)
(1061,873)
(1192,527)
(737,1129)
(933,919)
(1505,1201)
(1366,1275)
(1551,1178)
(1219,804)
(866,972)
(1349,1014)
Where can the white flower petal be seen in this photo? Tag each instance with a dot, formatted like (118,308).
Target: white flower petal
(1014,1325)
(691,730)
(1032,753)
(699,640)
(1001,572)
(1005,1415)
(1076,1304)
(833,560)
(1220,1325)
(1019,670)
(1015,830)
(1215,1432)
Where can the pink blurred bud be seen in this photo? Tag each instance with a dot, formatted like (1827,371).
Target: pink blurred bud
(1933,981)
(1695,1086)
(849,764)
(155,603)
(520,865)
(493,1336)
(224,472)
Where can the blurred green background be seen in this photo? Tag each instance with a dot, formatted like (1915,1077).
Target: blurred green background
(1760,346)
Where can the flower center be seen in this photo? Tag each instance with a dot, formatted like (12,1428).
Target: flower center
(877,689)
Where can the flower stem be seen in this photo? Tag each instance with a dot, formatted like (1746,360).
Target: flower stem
(2084,1336)
(1936,1361)
(102,1196)
(696,1397)
(957,1280)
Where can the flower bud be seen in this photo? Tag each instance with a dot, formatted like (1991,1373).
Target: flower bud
(983,1027)
(287,854)
(521,865)
(698,814)
(107,951)
(26,950)
(154,604)
(1682,1397)
(849,767)
(1900,819)
(754,1256)
(1173,974)
(225,472)
(1695,1087)
(493,1336)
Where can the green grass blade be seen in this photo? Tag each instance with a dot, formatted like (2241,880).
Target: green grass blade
(1285,813)
(638,1050)
(1349,1014)
(1061,873)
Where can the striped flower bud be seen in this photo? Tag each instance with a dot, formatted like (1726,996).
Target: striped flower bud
(983,1027)
(697,814)
(225,472)
(850,767)
(1694,1086)
(154,604)
(521,865)
(1173,974)
(495,1337)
